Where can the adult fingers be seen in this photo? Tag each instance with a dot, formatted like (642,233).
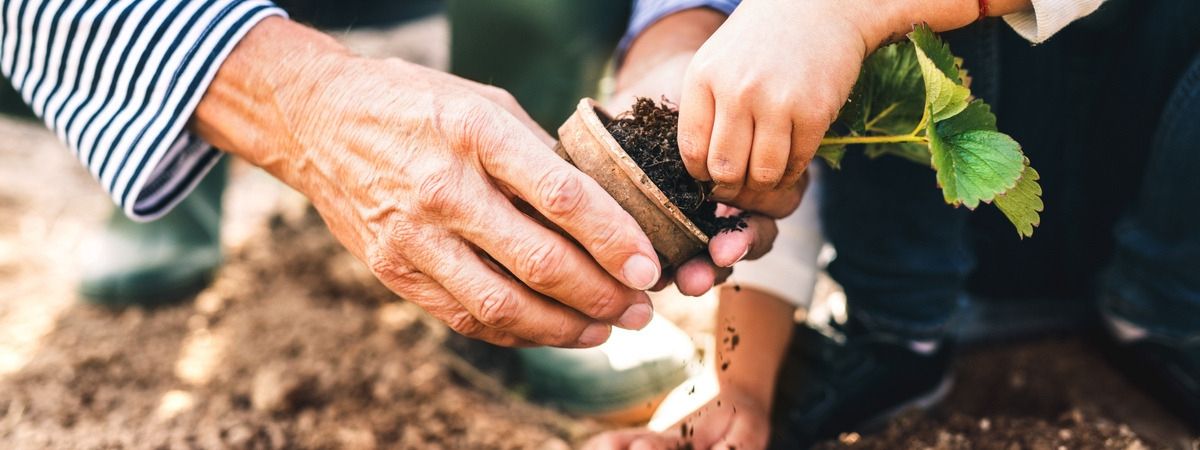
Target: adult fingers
(420,289)
(496,301)
(696,113)
(729,149)
(577,204)
(697,275)
(755,240)
(769,154)
(549,263)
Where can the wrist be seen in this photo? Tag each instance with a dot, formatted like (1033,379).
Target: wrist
(884,22)
(270,80)
(680,33)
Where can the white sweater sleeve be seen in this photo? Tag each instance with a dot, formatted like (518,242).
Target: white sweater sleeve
(1048,17)
(789,271)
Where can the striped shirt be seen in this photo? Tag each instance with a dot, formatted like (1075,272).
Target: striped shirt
(118,80)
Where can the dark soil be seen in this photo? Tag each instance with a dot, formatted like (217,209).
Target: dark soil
(648,134)
(1050,394)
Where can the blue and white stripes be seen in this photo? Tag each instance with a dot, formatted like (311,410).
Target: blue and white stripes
(118,80)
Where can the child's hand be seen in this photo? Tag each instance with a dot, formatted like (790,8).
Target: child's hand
(762,91)
(732,420)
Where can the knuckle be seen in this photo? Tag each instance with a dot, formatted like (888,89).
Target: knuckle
(438,193)
(607,306)
(561,192)
(691,145)
(609,240)
(462,322)
(723,170)
(540,266)
(749,88)
(468,123)
(762,178)
(385,262)
(565,334)
(498,308)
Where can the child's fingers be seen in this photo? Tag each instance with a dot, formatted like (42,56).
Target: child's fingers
(696,112)
(696,276)
(729,150)
(807,132)
(729,153)
(728,248)
(769,152)
(631,439)
(777,203)
(745,434)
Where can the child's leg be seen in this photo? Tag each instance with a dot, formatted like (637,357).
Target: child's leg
(1155,277)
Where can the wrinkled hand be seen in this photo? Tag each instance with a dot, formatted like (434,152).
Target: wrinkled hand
(763,90)
(655,68)
(730,421)
(423,176)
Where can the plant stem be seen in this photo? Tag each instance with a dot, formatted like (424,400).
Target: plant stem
(893,139)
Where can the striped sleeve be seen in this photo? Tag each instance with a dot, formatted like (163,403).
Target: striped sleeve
(118,80)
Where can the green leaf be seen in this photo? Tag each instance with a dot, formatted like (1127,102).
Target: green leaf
(945,96)
(1023,202)
(974,162)
(832,154)
(889,96)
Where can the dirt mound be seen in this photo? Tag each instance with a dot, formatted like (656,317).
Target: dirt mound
(313,354)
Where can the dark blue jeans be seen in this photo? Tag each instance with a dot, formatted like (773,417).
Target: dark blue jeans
(1109,113)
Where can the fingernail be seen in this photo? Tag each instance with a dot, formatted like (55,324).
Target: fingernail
(640,272)
(595,334)
(636,317)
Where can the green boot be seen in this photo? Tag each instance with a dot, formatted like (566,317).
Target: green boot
(622,380)
(161,262)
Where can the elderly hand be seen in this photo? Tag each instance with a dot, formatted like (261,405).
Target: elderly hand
(425,177)
(655,67)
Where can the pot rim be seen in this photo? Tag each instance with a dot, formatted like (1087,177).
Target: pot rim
(591,115)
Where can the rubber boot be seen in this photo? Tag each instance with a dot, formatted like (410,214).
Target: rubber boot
(621,381)
(161,262)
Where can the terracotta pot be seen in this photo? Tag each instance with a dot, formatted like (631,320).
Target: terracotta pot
(585,143)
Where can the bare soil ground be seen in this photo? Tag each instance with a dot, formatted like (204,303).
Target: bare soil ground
(296,346)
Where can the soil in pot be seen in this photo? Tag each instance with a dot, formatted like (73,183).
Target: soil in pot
(648,134)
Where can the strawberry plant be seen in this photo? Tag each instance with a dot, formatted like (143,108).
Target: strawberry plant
(912,100)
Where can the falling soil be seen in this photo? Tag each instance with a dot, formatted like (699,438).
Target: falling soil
(648,134)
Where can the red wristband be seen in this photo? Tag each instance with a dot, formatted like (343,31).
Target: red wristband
(983,9)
